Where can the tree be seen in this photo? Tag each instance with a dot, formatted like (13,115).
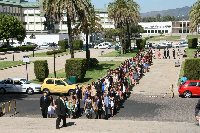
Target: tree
(124,13)
(11,28)
(73,9)
(194,16)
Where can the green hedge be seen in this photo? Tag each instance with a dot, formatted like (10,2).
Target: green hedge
(192,43)
(63,45)
(54,52)
(20,48)
(76,67)
(93,62)
(192,68)
(41,69)
(141,43)
(77,44)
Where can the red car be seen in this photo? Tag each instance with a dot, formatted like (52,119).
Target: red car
(190,88)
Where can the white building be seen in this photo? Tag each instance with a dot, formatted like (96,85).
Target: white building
(153,28)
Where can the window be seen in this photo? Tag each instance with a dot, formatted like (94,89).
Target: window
(17,82)
(159,31)
(180,31)
(50,81)
(8,81)
(180,25)
(199,84)
(59,82)
(192,84)
(148,31)
(184,25)
(188,25)
(156,31)
(166,31)
(145,31)
(163,31)
(152,31)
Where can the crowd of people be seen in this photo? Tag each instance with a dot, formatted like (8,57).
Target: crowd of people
(106,95)
(176,54)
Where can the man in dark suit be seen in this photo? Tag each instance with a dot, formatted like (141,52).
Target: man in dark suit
(44,104)
(60,111)
(197,109)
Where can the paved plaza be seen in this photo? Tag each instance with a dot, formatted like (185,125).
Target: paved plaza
(145,111)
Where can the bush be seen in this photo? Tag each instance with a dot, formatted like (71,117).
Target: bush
(26,48)
(192,68)
(54,52)
(63,45)
(76,67)
(78,44)
(192,43)
(93,62)
(41,69)
(141,43)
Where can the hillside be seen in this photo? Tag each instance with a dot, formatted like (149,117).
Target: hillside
(182,12)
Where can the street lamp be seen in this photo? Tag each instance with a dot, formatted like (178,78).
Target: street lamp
(54,61)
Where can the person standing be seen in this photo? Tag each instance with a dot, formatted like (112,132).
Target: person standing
(60,111)
(106,105)
(164,54)
(79,97)
(168,53)
(44,104)
(197,109)
(174,53)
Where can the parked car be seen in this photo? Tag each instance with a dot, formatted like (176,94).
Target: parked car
(160,46)
(44,45)
(19,85)
(103,45)
(181,44)
(190,88)
(57,85)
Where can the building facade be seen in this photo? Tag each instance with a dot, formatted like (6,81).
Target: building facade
(33,20)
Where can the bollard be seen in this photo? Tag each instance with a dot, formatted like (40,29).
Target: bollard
(3,108)
(9,106)
(15,106)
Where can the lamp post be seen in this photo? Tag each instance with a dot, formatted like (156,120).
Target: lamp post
(54,62)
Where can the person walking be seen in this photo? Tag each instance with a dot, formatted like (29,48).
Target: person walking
(60,111)
(44,104)
(197,109)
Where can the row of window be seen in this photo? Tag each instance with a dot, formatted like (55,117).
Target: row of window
(156,31)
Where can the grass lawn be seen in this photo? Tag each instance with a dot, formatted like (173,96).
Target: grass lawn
(193,36)
(117,54)
(4,64)
(168,38)
(190,55)
(92,74)
(43,54)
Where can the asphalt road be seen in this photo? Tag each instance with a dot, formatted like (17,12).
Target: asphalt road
(137,107)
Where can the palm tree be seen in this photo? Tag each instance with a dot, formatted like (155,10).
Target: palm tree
(124,13)
(89,24)
(55,10)
(194,16)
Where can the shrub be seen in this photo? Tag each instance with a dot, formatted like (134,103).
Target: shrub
(76,67)
(63,45)
(41,69)
(193,42)
(27,48)
(9,49)
(192,68)
(54,52)
(141,43)
(77,44)
(88,54)
(93,62)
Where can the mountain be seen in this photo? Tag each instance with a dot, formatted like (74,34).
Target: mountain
(182,12)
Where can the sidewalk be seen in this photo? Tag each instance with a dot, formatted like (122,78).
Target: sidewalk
(162,75)
(60,64)
(39,125)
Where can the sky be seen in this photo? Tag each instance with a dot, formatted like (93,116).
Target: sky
(150,5)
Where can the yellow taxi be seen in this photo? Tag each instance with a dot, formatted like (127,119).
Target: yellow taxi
(58,85)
